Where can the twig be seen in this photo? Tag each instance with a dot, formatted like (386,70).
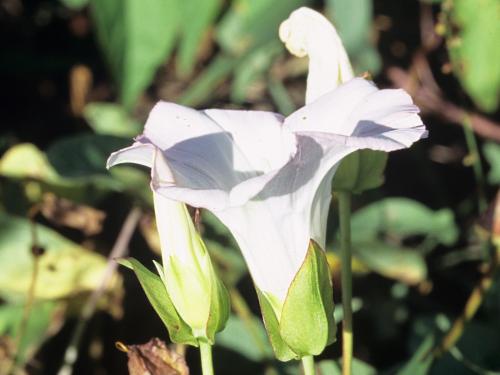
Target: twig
(118,251)
(420,83)
(477,296)
(36,252)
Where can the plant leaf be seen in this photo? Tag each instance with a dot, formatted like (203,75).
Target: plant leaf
(66,269)
(473,62)
(157,295)
(136,38)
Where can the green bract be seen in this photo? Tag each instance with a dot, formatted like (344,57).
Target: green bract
(360,171)
(213,318)
(304,325)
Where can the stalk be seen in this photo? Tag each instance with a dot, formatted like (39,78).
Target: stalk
(308,364)
(346,279)
(207,367)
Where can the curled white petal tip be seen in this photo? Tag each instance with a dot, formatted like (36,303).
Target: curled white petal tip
(308,33)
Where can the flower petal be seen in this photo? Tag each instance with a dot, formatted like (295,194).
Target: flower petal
(216,158)
(308,33)
(362,116)
(260,136)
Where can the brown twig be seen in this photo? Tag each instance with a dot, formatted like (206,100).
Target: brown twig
(419,82)
(421,85)
(118,251)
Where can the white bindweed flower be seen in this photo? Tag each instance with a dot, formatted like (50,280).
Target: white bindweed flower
(266,177)
(308,33)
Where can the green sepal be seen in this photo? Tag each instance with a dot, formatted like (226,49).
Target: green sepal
(362,170)
(307,324)
(281,350)
(157,295)
(219,307)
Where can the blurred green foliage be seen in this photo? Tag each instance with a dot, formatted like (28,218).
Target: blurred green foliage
(473,35)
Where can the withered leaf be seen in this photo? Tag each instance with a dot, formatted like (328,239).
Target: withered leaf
(154,358)
(61,211)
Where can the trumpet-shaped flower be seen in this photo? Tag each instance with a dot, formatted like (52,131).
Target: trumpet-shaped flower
(266,177)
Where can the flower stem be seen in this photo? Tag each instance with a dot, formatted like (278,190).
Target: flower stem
(344,198)
(308,363)
(207,367)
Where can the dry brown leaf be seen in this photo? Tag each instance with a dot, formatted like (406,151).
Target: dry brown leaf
(61,211)
(153,358)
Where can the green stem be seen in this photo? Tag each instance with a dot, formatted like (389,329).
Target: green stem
(346,279)
(207,367)
(475,160)
(308,363)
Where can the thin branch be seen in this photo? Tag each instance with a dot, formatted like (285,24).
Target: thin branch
(119,250)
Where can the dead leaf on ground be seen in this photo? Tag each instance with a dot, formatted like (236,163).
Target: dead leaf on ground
(61,211)
(153,358)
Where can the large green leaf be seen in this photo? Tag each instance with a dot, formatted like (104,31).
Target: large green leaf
(395,262)
(66,269)
(239,337)
(157,295)
(474,49)
(400,218)
(41,315)
(111,119)
(201,14)
(136,38)
(26,161)
(84,155)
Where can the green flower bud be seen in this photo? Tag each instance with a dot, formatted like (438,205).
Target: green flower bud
(303,324)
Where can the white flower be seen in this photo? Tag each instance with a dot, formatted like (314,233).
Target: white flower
(266,177)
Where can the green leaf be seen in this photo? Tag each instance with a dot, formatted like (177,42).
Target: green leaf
(201,14)
(400,218)
(391,261)
(212,76)
(474,49)
(66,269)
(253,68)
(250,23)
(353,20)
(136,38)
(84,155)
(26,161)
(281,350)
(492,154)
(157,295)
(306,323)
(421,361)
(111,119)
(362,170)
(239,337)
